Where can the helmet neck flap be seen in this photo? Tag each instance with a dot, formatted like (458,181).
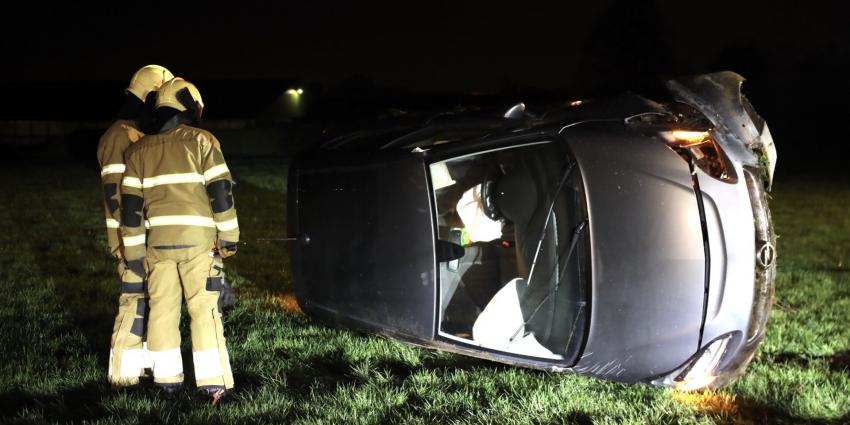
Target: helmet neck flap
(131,109)
(168,118)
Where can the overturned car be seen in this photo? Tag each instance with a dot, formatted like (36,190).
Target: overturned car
(623,239)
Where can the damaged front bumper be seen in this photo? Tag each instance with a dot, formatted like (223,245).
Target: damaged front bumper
(765,275)
(731,340)
(740,131)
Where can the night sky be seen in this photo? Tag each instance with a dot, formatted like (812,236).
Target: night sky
(796,57)
(432,46)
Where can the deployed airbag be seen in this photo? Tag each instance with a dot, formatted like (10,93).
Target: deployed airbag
(500,321)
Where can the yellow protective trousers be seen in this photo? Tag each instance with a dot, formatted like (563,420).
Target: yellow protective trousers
(128,356)
(174,273)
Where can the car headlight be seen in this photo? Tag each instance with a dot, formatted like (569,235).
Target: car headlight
(700,371)
(700,148)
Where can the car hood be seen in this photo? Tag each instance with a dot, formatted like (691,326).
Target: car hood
(647,250)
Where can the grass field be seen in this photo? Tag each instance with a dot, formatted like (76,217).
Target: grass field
(59,294)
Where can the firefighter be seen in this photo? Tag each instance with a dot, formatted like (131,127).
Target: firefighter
(127,356)
(179,180)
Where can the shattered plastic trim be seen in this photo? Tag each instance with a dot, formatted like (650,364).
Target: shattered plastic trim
(719,97)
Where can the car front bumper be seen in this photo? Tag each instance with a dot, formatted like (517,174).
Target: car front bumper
(742,273)
(734,364)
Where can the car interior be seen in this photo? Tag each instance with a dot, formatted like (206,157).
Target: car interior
(508,280)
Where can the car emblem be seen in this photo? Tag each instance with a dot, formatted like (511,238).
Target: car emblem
(766,255)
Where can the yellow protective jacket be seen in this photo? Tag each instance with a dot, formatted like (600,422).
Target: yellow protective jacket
(110,154)
(179,181)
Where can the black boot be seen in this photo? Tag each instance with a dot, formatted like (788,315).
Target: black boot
(169,391)
(214,394)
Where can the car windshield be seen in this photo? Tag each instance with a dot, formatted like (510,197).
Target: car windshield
(512,250)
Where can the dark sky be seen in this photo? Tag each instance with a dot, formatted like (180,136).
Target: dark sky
(70,62)
(430,46)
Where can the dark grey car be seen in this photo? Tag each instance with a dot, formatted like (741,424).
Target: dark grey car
(624,239)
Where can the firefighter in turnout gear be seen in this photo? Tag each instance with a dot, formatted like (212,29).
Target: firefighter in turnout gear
(179,181)
(128,356)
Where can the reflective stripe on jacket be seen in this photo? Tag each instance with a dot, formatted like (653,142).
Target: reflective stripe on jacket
(180,182)
(110,155)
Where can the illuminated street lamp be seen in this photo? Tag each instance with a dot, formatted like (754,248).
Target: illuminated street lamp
(290,104)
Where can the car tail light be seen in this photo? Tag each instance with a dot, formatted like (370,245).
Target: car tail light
(700,148)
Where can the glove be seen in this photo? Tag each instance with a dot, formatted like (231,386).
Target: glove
(225,248)
(227,297)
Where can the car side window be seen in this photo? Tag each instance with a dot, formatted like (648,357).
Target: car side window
(504,221)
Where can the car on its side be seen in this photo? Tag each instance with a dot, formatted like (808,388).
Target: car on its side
(622,238)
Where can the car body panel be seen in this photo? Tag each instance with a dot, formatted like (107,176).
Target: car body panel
(673,260)
(641,206)
(730,295)
(370,256)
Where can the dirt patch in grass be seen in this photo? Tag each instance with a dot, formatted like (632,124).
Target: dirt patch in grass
(709,402)
(289,303)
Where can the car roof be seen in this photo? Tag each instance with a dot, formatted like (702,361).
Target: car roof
(423,129)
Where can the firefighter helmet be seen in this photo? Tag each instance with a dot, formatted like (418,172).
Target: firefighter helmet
(147,79)
(180,95)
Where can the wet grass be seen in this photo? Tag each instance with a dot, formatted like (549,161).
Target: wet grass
(60,293)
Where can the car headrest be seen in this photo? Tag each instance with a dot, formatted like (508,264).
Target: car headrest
(515,195)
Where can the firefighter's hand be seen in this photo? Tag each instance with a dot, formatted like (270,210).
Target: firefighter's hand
(227,297)
(225,248)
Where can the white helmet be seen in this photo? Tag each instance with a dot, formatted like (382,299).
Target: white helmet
(147,79)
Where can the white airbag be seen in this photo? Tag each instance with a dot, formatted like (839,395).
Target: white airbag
(500,320)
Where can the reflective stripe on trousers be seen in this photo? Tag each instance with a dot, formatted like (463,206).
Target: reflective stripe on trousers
(131,363)
(128,356)
(167,366)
